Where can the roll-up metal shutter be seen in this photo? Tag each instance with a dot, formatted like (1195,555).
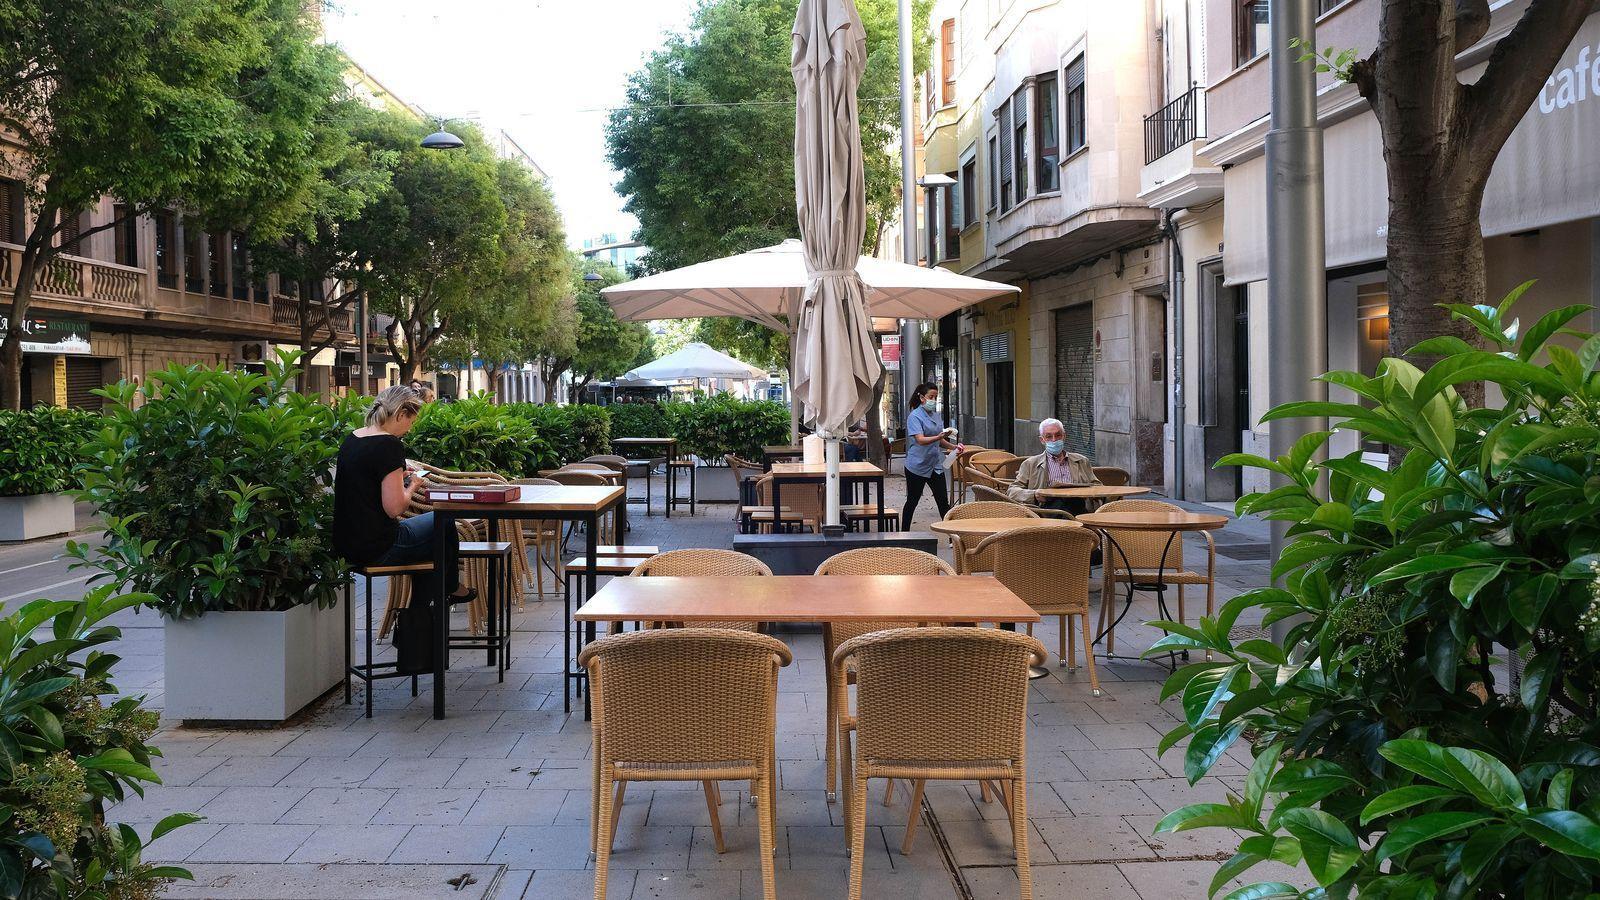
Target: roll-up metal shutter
(83,376)
(1075,376)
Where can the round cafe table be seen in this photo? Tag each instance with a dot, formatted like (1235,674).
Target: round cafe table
(1097,492)
(974,531)
(1172,521)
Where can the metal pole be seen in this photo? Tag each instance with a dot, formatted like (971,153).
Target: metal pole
(910,335)
(361,329)
(1297,286)
(1180,403)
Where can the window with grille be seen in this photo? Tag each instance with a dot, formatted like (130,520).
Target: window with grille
(10,211)
(216,264)
(969,187)
(1006,197)
(952,219)
(1076,123)
(67,237)
(1251,32)
(994,173)
(1019,114)
(239,262)
(947,61)
(1047,130)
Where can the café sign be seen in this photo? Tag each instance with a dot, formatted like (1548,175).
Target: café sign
(53,335)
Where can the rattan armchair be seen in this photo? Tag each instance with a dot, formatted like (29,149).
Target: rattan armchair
(1049,569)
(1001,465)
(546,537)
(609,460)
(706,561)
(959,472)
(591,475)
(865,561)
(1146,557)
(802,506)
(941,703)
(971,563)
(1112,475)
(981,492)
(692,704)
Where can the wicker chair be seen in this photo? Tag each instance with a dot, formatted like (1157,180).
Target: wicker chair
(1049,569)
(610,460)
(865,561)
(998,464)
(706,561)
(594,476)
(647,727)
(942,703)
(973,563)
(745,473)
(1141,551)
(959,472)
(802,505)
(546,536)
(981,492)
(1112,476)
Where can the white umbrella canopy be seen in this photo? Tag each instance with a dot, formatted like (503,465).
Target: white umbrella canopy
(695,360)
(767,285)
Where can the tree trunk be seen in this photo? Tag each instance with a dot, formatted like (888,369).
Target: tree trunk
(1435,248)
(16,318)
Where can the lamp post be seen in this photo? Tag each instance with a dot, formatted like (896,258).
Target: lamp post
(442,139)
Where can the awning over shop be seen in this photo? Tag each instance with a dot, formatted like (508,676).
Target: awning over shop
(1548,173)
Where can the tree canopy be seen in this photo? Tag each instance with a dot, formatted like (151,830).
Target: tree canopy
(603,346)
(203,105)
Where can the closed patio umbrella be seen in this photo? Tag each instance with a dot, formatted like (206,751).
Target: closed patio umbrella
(835,362)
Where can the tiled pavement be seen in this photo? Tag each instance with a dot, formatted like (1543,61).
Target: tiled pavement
(496,796)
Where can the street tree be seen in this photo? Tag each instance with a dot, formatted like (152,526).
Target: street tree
(750,341)
(1440,140)
(603,346)
(198,105)
(433,237)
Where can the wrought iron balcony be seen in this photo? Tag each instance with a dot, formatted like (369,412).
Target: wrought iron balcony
(1173,125)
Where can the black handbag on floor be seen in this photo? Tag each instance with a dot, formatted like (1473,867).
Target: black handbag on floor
(414,639)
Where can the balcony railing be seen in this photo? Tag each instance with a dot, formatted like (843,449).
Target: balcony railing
(286,311)
(1173,125)
(78,279)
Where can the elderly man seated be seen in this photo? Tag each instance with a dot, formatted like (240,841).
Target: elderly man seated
(1055,467)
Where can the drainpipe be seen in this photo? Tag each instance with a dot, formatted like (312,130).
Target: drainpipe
(1297,283)
(1180,406)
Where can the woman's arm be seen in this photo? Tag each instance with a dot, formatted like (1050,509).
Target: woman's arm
(397,494)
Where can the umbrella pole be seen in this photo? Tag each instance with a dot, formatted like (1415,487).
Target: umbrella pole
(831,459)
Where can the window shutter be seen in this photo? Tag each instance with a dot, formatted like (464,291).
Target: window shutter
(10,222)
(994,173)
(1005,147)
(1075,73)
(947,62)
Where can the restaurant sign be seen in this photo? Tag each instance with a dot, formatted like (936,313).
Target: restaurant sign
(53,335)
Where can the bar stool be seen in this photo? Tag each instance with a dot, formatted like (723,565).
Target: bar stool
(673,497)
(497,642)
(368,671)
(576,570)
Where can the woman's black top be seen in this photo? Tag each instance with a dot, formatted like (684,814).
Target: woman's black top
(362,531)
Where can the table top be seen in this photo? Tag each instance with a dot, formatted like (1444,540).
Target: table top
(808,598)
(782,449)
(1154,520)
(1092,491)
(986,527)
(537,498)
(644,441)
(848,469)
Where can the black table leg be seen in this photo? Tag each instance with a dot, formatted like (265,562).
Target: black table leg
(588,689)
(566,644)
(444,529)
(879,479)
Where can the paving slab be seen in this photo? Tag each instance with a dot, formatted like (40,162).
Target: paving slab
(337,882)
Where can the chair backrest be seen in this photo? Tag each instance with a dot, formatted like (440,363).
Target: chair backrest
(1001,464)
(543,481)
(884,561)
(984,492)
(684,695)
(1143,549)
(1112,475)
(702,561)
(742,468)
(958,468)
(803,498)
(579,477)
(1048,567)
(586,467)
(609,460)
(941,694)
(990,509)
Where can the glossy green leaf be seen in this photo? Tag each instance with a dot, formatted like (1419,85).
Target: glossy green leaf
(1406,835)
(1329,847)
(176,820)
(1565,831)
(1482,846)
(1559,794)
(1465,584)
(1203,815)
(1390,802)
(1205,691)
(1265,890)
(1206,746)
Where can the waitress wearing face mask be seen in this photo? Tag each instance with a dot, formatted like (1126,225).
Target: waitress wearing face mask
(926,443)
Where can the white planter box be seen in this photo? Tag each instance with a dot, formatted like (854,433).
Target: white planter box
(253,666)
(34,516)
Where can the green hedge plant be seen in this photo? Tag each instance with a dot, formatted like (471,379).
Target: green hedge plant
(66,755)
(637,420)
(475,435)
(573,432)
(1394,755)
(710,426)
(41,447)
(216,487)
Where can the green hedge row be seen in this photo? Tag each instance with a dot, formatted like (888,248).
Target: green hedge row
(40,447)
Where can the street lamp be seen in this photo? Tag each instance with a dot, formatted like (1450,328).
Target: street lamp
(443,140)
(592,276)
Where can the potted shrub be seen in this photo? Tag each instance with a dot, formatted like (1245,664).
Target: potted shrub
(475,435)
(68,756)
(1431,725)
(38,449)
(216,490)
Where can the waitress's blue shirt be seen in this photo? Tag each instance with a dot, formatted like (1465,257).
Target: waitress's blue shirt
(924,459)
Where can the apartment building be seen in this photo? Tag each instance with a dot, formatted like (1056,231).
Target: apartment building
(1205,166)
(1035,109)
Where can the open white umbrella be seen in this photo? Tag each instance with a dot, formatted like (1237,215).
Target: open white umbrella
(696,360)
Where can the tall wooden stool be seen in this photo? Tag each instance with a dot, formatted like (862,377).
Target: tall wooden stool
(674,498)
(368,671)
(577,570)
(497,641)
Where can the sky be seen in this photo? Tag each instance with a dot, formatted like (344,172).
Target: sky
(545,71)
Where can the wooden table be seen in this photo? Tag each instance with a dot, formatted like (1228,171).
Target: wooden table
(982,528)
(1172,521)
(669,445)
(771,453)
(849,473)
(570,503)
(1100,492)
(942,599)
